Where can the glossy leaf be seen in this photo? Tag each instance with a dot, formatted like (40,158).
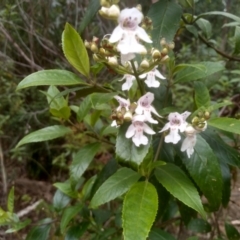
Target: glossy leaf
(115,186)
(93,7)
(199,226)
(192,73)
(201,96)
(126,150)
(10,201)
(60,200)
(205,170)
(82,160)
(45,134)
(74,50)
(139,211)
(50,77)
(159,234)
(40,232)
(166,15)
(226,124)
(68,214)
(178,184)
(232,232)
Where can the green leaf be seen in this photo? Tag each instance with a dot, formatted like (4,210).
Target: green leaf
(126,149)
(201,96)
(166,16)
(93,7)
(205,26)
(205,171)
(159,234)
(45,134)
(60,200)
(115,186)
(10,201)
(226,124)
(82,160)
(198,71)
(75,232)
(237,40)
(178,184)
(139,211)
(66,189)
(40,232)
(232,232)
(50,77)
(68,214)
(74,50)
(225,14)
(199,226)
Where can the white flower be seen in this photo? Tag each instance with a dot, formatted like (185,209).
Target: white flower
(128,32)
(123,103)
(144,107)
(136,129)
(176,122)
(151,80)
(129,81)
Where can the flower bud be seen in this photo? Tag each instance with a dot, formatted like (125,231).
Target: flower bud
(207,115)
(163,42)
(87,44)
(164,51)
(144,52)
(102,51)
(94,48)
(95,58)
(95,39)
(190,131)
(156,54)
(144,64)
(171,45)
(139,7)
(165,58)
(113,12)
(127,116)
(112,61)
(104,3)
(195,120)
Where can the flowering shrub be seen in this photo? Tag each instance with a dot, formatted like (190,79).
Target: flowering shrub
(165,158)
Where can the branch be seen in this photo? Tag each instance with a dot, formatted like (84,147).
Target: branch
(4,175)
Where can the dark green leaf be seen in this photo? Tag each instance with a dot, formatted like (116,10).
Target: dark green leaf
(74,50)
(50,77)
(203,70)
(68,214)
(177,183)
(166,15)
(45,134)
(126,150)
(93,7)
(40,232)
(82,160)
(115,186)
(205,171)
(139,211)
(199,226)
(226,124)
(75,232)
(202,97)
(159,234)
(232,232)
(66,189)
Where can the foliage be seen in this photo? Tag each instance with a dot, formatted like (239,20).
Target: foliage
(150,180)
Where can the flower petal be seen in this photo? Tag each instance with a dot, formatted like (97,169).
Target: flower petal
(158,74)
(116,35)
(153,110)
(141,33)
(166,127)
(152,83)
(139,139)
(147,129)
(188,145)
(185,115)
(130,131)
(173,136)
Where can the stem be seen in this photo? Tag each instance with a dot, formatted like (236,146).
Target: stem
(137,78)
(4,175)
(158,149)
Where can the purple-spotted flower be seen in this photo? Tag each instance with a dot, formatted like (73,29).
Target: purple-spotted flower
(145,108)
(176,123)
(129,81)
(151,78)
(128,33)
(136,130)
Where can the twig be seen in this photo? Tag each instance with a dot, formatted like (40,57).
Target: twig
(28,209)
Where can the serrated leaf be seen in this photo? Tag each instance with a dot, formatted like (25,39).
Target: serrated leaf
(82,160)
(139,211)
(199,226)
(45,134)
(178,184)
(74,50)
(50,77)
(93,7)
(202,97)
(60,200)
(226,124)
(192,73)
(126,150)
(166,16)
(115,186)
(68,214)
(205,171)
(66,188)
(10,201)
(40,232)
(232,232)
(159,234)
